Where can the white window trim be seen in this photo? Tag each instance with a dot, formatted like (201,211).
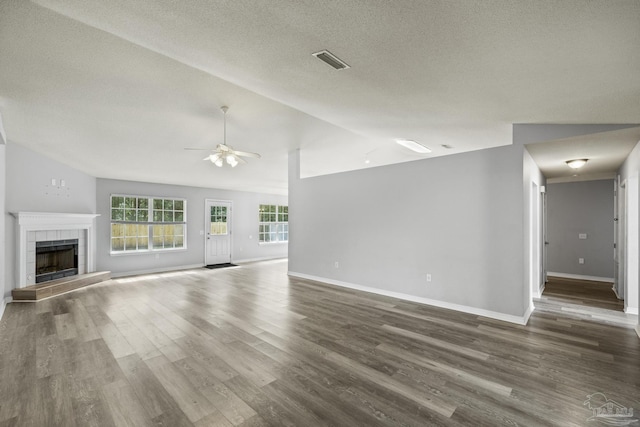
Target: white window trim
(260,223)
(149,224)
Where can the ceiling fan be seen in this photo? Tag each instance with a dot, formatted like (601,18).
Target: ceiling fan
(223,152)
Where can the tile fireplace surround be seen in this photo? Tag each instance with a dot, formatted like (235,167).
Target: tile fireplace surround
(35,227)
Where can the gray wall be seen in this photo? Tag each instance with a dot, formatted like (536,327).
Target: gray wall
(3,242)
(459,218)
(581,207)
(244,222)
(29,189)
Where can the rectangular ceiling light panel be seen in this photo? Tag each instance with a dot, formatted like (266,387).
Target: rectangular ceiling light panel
(414,146)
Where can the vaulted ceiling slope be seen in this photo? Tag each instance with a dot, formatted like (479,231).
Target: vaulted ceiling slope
(119,87)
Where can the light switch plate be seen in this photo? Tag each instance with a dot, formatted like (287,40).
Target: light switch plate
(582,236)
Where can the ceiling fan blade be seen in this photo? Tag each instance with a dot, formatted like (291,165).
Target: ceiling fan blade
(246,154)
(241,160)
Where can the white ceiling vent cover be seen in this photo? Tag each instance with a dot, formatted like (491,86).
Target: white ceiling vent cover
(331,59)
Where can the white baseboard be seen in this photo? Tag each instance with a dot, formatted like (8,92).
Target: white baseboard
(520,320)
(631,310)
(528,313)
(580,277)
(260,259)
(539,293)
(638,330)
(154,270)
(3,305)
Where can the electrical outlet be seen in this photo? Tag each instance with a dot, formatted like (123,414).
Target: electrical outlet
(336,265)
(580,260)
(428,277)
(582,236)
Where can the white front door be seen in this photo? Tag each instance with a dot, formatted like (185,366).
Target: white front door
(218,230)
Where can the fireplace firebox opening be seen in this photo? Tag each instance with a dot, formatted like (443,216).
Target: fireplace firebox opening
(56,259)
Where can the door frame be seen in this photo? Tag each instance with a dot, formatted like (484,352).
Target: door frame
(535,258)
(621,243)
(544,244)
(207,218)
(632,245)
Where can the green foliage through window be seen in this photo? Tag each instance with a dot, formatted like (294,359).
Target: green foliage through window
(218,220)
(147,223)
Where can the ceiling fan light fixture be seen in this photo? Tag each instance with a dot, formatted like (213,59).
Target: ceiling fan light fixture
(413,146)
(576,163)
(231,160)
(225,153)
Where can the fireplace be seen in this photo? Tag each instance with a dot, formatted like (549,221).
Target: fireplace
(56,259)
(39,229)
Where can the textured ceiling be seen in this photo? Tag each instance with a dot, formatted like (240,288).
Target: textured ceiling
(605,151)
(118,88)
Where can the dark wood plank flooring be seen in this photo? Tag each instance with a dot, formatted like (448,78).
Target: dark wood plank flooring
(583,292)
(252,347)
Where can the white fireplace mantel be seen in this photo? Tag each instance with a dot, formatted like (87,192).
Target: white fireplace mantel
(46,221)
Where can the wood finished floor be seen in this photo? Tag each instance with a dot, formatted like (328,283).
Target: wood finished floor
(249,346)
(583,292)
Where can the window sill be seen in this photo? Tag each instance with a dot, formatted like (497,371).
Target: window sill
(152,252)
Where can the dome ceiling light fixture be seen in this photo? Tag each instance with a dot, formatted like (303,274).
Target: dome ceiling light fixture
(225,153)
(576,163)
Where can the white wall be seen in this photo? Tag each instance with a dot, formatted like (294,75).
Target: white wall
(533,180)
(244,243)
(3,268)
(458,218)
(631,169)
(575,208)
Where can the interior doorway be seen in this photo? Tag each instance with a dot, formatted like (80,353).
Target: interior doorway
(218,226)
(581,235)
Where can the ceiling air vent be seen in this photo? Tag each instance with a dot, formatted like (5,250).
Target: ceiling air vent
(331,59)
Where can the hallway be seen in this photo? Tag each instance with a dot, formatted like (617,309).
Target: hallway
(583,292)
(584,300)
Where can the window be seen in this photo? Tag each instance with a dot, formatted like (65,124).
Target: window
(218,221)
(274,224)
(140,224)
